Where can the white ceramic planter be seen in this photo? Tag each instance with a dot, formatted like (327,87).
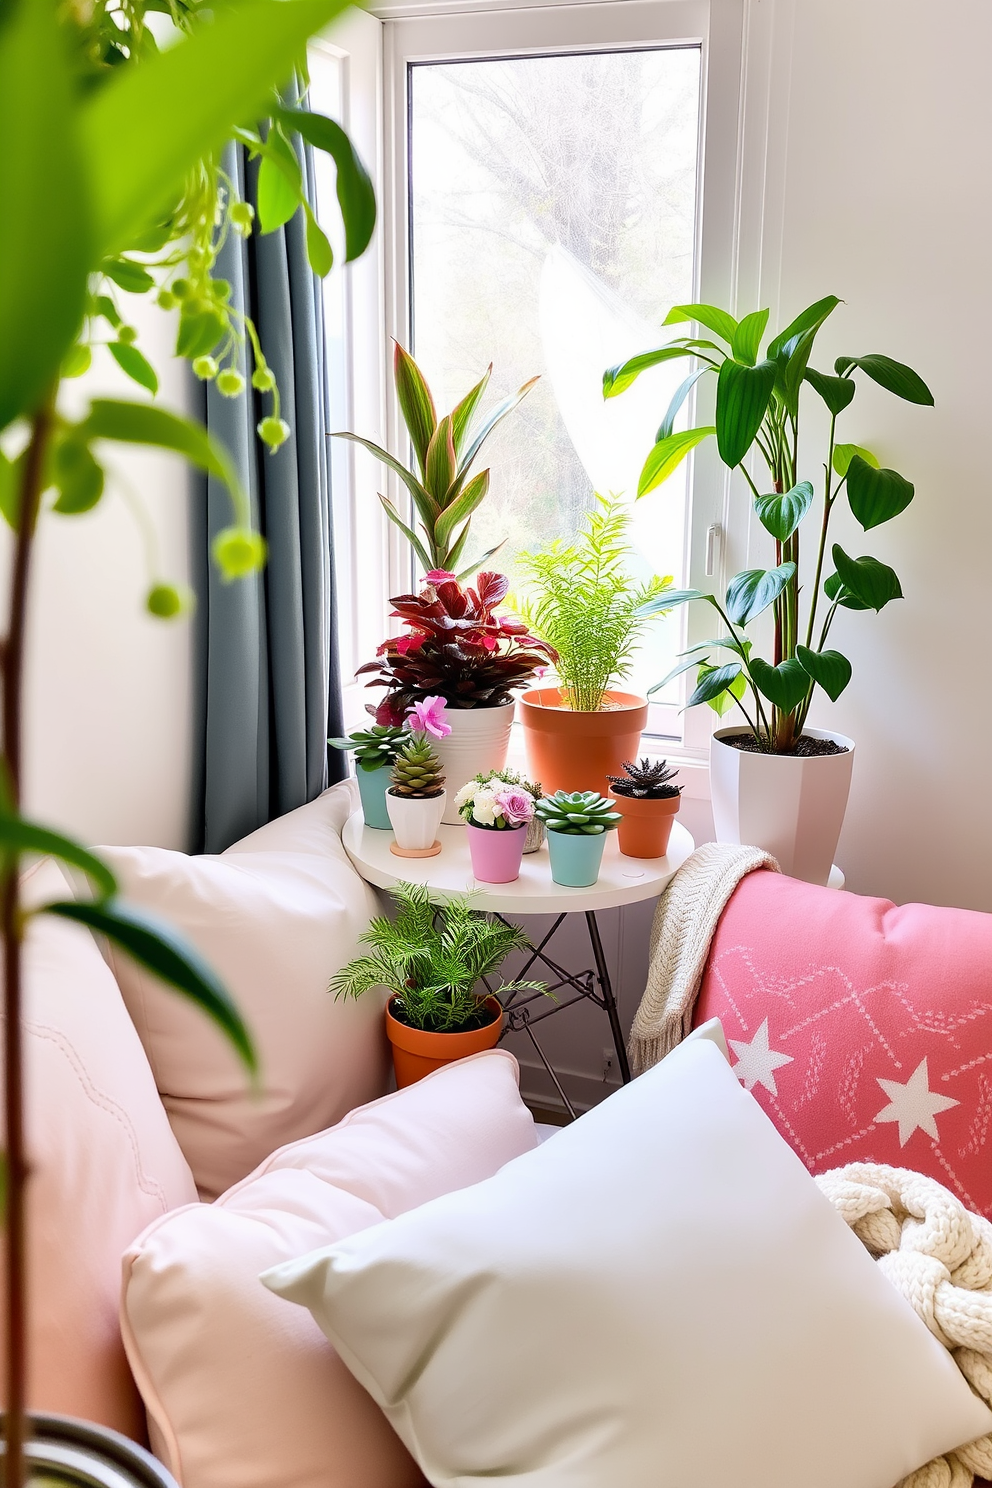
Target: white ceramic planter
(479,740)
(415,819)
(793,808)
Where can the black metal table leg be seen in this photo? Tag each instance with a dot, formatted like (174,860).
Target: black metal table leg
(606,987)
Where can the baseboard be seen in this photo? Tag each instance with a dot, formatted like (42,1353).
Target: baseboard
(583,1090)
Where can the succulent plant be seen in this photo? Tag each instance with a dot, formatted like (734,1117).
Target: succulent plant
(456,648)
(417,769)
(376,747)
(578,813)
(646,781)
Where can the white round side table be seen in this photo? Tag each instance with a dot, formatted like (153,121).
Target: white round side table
(621,881)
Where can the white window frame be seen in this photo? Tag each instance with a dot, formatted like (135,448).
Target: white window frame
(439,30)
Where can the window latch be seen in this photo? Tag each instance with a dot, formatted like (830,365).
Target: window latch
(714,536)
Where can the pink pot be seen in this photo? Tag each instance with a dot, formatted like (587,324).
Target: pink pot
(496,853)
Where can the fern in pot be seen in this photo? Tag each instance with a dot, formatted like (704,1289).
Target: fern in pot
(581,600)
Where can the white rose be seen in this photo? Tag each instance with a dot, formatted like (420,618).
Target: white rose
(467,793)
(485,808)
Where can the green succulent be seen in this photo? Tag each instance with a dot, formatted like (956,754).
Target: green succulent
(375,748)
(646,780)
(578,814)
(417,770)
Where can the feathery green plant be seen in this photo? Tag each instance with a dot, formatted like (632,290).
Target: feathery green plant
(432,956)
(585,605)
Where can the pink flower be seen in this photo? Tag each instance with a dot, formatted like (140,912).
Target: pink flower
(427,717)
(438,576)
(517,805)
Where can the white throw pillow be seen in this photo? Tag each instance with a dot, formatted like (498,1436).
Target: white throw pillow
(660,1297)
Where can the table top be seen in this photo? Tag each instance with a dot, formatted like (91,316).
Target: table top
(621,881)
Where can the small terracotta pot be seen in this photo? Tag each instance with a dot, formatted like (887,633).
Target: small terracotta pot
(417,1053)
(496,854)
(577,751)
(646,826)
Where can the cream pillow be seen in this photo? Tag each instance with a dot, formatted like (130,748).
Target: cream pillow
(659,1297)
(275,915)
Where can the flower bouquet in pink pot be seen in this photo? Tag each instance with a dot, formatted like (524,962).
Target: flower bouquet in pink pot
(497,813)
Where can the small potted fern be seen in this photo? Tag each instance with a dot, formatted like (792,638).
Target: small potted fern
(416,796)
(648,804)
(433,958)
(584,604)
(577,823)
(375,754)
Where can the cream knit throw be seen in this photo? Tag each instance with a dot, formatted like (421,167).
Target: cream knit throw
(939,1256)
(684,922)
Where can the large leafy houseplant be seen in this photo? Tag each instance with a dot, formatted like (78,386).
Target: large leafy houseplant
(758,409)
(443,491)
(111,184)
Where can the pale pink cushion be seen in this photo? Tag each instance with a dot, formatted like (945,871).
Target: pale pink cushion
(242,1389)
(276,916)
(863,1028)
(104,1164)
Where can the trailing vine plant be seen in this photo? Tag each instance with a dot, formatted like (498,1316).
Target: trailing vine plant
(115,115)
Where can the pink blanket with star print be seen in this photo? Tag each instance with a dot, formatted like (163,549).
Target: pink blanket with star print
(863,1029)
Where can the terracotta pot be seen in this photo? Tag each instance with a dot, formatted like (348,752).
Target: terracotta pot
(417,1053)
(576,751)
(646,826)
(793,808)
(479,740)
(496,854)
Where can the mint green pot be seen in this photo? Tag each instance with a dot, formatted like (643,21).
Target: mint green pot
(372,788)
(575,861)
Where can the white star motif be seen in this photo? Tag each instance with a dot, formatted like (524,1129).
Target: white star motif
(914,1104)
(756,1063)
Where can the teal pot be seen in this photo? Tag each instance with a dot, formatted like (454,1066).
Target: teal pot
(575,861)
(372,786)
(78,1454)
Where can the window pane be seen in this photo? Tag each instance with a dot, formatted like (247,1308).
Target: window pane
(553,221)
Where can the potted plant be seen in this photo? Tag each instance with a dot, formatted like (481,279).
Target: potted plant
(577,823)
(583,603)
(534,839)
(375,754)
(497,815)
(457,647)
(776,782)
(416,795)
(443,495)
(648,804)
(433,959)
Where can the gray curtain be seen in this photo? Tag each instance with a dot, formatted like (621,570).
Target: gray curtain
(267,690)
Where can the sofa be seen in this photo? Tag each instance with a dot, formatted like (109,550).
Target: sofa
(860,1027)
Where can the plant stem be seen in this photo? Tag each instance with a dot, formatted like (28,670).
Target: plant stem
(828,502)
(12,672)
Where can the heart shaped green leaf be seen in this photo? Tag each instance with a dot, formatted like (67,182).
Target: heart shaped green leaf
(874,583)
(711,681)
(780,512)
(845,453)
(895,377)
(836,392)
(752,591)
(834,589)
(876,496)
(784,685)
(829,670)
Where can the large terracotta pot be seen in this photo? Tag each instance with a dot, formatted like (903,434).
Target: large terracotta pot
(793,808)
(576,751)
(416,1053)
(647,825)
(479,740)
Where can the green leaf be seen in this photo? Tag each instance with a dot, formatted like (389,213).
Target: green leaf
(681,393)
(876,496)
(669,599)
(497,416)
(829,670)
(461,508)
(141,423)
(146,126)
(834,589)
(810,319)
(280,184)
(355,193)
(199,328)
(751,592)
(618,379)
(157,947)
(77,360)
(742,396)
(467,572)
(791,369)
(416,403)
(731,694)
(105,306)
(667,455)
(684,666)
(427,507)
(137,367)
(20,836)
(780,512)
(45,232)
(836,392)
(712,681)
(319,252)
(895,377)
(718,321)
(870,581)
(11,476)
(747,337)
(130,276)
(439,467)
(784,685)
(408,532)
(844,454)
(462,413)
(78,476)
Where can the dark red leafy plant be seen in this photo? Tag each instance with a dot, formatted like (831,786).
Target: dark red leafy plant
(455,647)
